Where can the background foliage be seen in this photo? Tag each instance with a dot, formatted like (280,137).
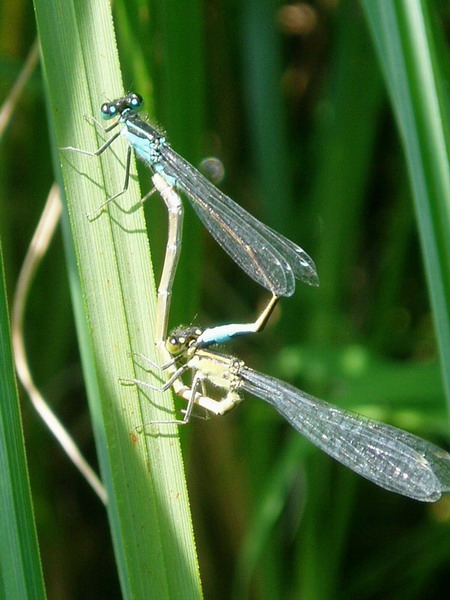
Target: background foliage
(293,101)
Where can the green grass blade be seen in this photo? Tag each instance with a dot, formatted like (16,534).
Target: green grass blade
(148,508)
(20,566)
(339,190)
(267,135)
(406,42)
(180,105)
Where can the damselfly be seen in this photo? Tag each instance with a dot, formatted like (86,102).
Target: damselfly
(265,255)
(390,457)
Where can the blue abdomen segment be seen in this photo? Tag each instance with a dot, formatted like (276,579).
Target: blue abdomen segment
(223,333)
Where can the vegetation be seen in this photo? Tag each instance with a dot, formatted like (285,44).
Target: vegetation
(331,121)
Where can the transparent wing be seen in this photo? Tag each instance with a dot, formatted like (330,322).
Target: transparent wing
(268,257)
(392,458)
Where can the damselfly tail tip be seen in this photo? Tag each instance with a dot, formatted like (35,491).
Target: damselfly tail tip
(147,429)
(92,216)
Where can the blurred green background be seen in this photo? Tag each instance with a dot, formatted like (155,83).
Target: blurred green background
(292,100)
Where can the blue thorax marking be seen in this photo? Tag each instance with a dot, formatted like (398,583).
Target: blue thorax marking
(146,142)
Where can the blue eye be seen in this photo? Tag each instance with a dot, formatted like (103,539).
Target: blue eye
(108,111)
(135,101)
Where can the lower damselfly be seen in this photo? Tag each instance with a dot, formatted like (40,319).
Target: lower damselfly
(394,459)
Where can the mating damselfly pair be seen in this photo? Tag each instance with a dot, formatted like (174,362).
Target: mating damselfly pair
(392,458)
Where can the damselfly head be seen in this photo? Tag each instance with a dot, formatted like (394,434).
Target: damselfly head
(131,102)
(181,339)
